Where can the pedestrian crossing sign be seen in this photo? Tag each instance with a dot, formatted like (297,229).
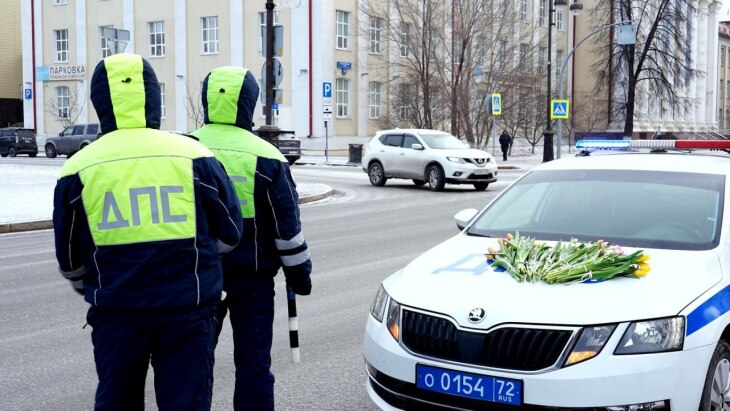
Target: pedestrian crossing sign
(496,104)
(560,109)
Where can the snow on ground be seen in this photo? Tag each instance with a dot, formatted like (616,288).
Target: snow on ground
(26,193)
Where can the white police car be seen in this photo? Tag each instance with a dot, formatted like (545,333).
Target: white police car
(448,331)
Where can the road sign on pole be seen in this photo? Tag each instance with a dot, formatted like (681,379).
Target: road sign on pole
(559,109)
(496,104)
(278,72)
(327,90)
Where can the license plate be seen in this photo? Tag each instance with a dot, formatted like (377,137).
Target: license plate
(481,171)
(479,387)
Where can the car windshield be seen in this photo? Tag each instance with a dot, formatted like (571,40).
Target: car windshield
(644,209)
(442,141)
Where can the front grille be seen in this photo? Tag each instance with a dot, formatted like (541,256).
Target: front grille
(511,348)
(481,176)
(478,161)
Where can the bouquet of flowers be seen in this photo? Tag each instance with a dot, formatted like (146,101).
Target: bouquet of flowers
(527,260)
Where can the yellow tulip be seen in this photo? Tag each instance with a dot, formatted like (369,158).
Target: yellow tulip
(644,266)
(640,273)
(643,258)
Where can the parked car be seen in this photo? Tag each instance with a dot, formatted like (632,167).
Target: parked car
(426,156)
(451,330)
(72,139)
(288,143)
(16,140)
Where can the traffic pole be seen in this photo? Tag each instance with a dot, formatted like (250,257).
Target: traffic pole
(291,299)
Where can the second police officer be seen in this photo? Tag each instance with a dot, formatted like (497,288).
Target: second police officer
(272,231)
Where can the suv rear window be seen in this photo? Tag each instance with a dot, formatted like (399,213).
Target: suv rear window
(92,129)
(25,133)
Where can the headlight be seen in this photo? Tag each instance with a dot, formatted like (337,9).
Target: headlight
(590,343)
(652,336)
(393,321)
(456,160)
(378,308)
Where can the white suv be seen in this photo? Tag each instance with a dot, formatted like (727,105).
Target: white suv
(426,156)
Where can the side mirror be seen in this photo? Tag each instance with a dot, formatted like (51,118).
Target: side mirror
(60,134)
(464,217)
(416,146)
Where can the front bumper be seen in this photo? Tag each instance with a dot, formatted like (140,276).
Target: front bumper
(457,173)
(606,381)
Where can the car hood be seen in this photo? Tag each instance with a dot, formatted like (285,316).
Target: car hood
(453,278)
(463,153)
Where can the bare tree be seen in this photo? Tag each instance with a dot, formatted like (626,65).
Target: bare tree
(65,105)
(661,55)
(451,57)
(194,103)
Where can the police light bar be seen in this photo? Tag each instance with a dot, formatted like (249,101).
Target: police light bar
(653,144)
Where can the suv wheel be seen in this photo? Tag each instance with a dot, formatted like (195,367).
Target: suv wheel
(716,391)
(376,174)
(435,176)
(481,186)
(51,151)
(12,152)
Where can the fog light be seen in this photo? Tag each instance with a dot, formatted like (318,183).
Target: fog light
(656,405)
(457,174)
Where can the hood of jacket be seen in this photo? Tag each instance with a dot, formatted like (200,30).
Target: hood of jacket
(229,97)
(125,93)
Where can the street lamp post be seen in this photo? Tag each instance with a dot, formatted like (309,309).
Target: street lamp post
(567,58)
(547,153)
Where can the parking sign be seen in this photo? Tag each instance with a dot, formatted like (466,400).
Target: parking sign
(327,90)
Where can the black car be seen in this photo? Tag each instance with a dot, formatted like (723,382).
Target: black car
(17,140)
(288,143)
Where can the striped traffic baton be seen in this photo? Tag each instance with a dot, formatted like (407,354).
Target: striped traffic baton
(291,299)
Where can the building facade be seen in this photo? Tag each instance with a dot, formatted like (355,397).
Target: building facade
(337,55)
(11,81)
(723,85)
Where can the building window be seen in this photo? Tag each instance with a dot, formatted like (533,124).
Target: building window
(558,63)
(541,59)
(157,38)
(63,101)
(543,13)
(376,25)
(523,55)
(262,27)
(106,44)
(502,54)
(560,17)
(61,37)
(209,34)
(163,107)
(722,56)
(482,51)
(523,11)
(342,94)
(375,99)
(405,29)
(343,29)
(59,2)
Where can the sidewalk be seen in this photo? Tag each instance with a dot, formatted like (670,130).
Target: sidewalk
(26,196)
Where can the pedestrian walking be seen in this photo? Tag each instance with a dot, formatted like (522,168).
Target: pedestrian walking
(139,218)
(505,141)
(272,234)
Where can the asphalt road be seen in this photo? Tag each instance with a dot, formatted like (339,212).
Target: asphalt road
(357,238)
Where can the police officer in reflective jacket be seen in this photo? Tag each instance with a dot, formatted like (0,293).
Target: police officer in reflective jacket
(140,217)
(272,232)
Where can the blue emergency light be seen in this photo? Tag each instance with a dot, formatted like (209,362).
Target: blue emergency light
(603,144)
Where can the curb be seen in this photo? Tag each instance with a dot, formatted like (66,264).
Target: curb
(315,197)
(48,224)
(27,226)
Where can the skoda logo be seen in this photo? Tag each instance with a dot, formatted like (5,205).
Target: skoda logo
(477,315)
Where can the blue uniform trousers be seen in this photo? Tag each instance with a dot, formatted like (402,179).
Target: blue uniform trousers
(252,320)
(181,353)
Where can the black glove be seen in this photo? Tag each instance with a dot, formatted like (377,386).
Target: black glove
(300,286)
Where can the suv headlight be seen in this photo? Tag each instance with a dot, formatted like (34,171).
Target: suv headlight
(590,343)
(377,310)
(456,160)
(652,336)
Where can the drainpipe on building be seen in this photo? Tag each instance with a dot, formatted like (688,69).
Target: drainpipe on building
(32,46)
(311,120)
